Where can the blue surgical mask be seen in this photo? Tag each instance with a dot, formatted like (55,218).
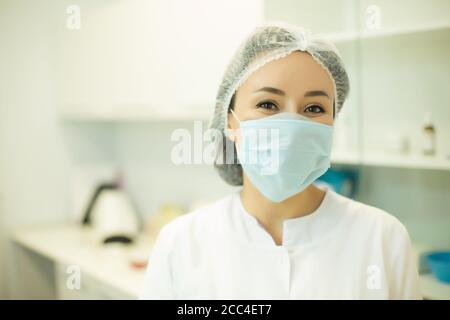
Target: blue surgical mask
(284,153)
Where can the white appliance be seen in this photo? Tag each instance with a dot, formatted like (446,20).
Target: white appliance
(111,215)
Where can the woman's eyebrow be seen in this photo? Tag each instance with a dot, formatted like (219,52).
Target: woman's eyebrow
(282,93)
(272,90)
(316,93)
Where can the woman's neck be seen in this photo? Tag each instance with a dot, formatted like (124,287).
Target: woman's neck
(271,214)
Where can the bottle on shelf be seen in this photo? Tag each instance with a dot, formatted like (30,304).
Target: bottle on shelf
(428,136)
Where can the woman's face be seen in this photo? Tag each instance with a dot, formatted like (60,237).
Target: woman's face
(295,83)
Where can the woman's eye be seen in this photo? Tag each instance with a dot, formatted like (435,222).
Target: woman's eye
(267,105)
(314,109)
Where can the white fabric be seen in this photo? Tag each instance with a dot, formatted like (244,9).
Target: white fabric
(343,250)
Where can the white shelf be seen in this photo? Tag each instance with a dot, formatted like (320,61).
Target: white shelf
(124,117)
(393,161)
(345,158)
(406,161)
(349,36)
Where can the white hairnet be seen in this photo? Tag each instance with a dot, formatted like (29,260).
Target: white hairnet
(266,43)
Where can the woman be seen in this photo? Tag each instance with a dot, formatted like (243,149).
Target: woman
(280,236)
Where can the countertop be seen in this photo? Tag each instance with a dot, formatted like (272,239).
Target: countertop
(72,244)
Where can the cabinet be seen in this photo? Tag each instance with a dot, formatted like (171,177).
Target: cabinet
(146,60)
(90,288)
(67,262)
(163,60)
(396,54)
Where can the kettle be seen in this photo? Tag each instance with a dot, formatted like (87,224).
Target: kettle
(111,215)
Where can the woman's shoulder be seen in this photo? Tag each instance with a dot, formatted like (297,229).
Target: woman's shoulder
(368,217)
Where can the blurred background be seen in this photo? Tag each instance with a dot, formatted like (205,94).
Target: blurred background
(91,92)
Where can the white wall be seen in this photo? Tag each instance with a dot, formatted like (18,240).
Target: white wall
(33,162)
(39,153)
(144,151)
(419,198)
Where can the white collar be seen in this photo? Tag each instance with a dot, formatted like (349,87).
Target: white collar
(296,231)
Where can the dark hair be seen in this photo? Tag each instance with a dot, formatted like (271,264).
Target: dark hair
(232,101)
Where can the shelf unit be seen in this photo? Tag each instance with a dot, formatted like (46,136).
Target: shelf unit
(342,37)
(347,29)
(394,161)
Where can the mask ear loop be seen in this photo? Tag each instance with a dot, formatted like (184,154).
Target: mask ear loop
(235,116)
(232,135)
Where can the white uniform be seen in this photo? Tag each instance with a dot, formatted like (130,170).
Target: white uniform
(343,250)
